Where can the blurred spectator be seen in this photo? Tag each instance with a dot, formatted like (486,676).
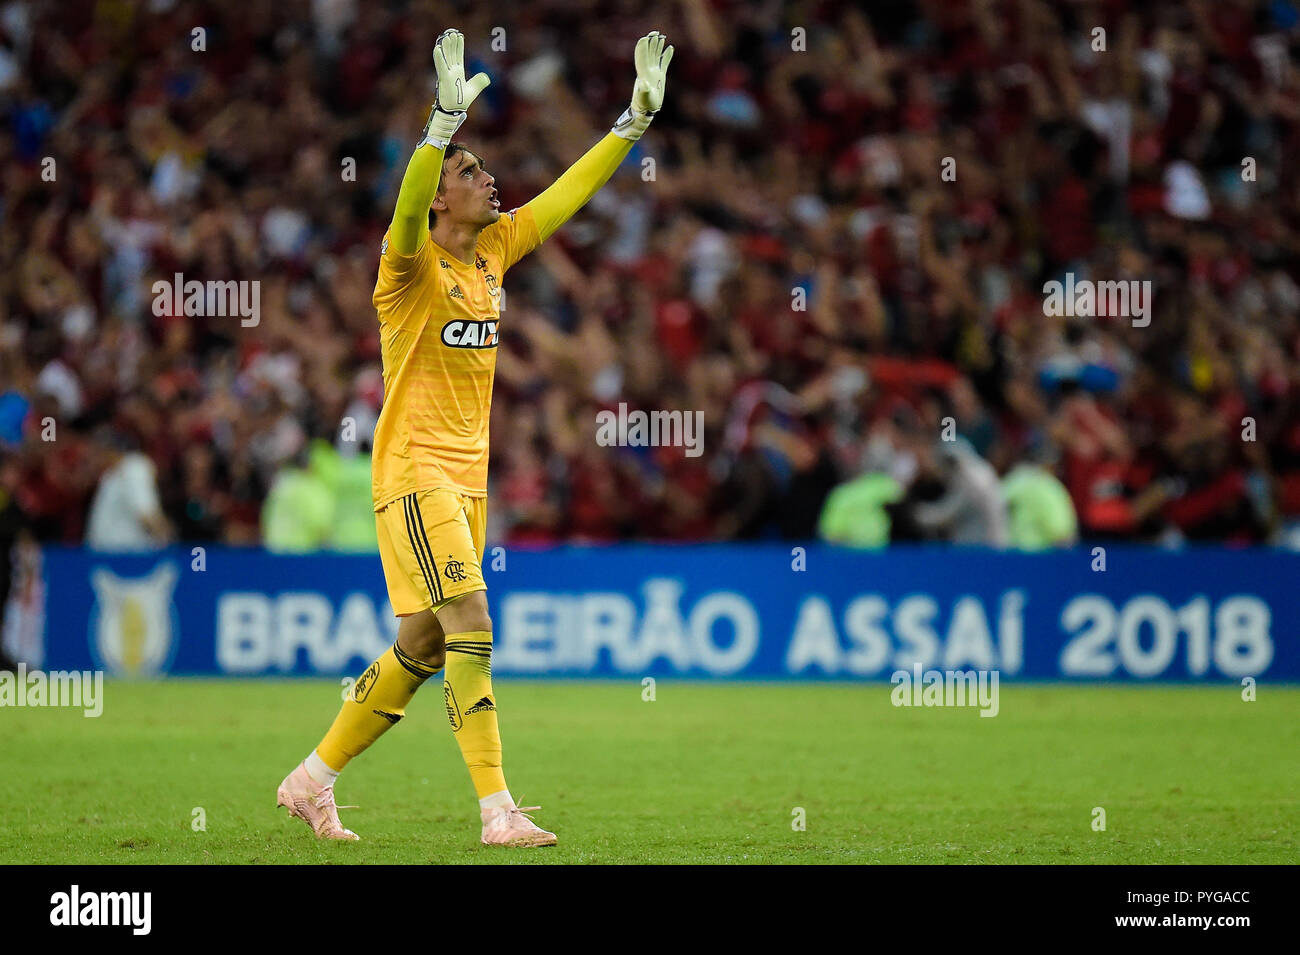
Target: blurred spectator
(969,508)
(352,526)
(125,514)
(855,513)
(13,528)
(22,616)
(1040,514)
(298,516)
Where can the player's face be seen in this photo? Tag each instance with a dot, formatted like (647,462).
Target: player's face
(468,191)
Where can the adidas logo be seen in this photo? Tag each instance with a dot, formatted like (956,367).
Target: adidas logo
(481,705)
(456,292)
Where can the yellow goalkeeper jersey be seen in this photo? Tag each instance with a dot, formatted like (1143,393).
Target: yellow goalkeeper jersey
(439,327)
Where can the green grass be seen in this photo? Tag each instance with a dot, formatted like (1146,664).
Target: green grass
(706,773)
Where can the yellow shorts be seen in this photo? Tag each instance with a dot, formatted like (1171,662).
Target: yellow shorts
(431,546)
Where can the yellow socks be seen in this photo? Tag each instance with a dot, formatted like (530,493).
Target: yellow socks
(374,704)
(378,700)
(471,708)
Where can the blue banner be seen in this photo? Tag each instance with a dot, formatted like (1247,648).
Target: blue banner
(701,611)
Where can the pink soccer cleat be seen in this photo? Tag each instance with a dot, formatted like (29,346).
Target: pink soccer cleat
(510,827)
(313,804)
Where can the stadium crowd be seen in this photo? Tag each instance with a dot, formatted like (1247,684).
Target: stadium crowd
(833,242)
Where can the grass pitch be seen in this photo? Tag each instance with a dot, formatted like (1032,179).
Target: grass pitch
(707,773)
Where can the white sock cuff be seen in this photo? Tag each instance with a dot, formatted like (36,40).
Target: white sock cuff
(499,800)
(319,770)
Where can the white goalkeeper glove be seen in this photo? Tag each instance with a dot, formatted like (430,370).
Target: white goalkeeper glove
(455,93)
(652,61)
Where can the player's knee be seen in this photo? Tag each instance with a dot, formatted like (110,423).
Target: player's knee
(466,613)
(432,654)
(421,637)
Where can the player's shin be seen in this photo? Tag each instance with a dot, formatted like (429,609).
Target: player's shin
(472,711)
(376,702)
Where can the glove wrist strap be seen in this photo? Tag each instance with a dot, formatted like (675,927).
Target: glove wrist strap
(632,124)
(441,127)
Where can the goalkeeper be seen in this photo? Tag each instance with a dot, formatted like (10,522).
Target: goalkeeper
(438,297)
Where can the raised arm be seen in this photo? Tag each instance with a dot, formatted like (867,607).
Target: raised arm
(420,183)
(574,189)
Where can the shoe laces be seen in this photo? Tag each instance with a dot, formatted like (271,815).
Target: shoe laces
(325,800)
(523,812)
(511,815)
